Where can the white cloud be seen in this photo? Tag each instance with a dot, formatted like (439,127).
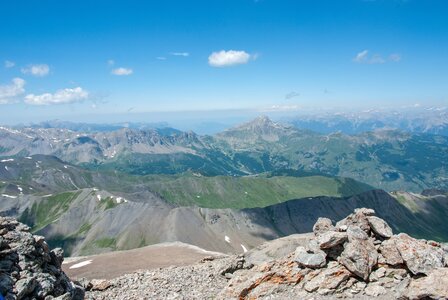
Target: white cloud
(39,70)
(9,64)
(291,95)
(9,92)
(111,62)
(361,56)
(377,59)
(228,58)
(122,71)
(184,54)
(60,97)
(281,107)
(395,57)
(365,58)
(161,58)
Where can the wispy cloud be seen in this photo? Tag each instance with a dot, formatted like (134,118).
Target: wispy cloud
(291,95)
(122,71)
(9,64)
(161,58)
(229,58)
(63,96)
(111,62)
(281,107)
(184,54)
(363,57)
(38,70)
(9,92)
(395,57)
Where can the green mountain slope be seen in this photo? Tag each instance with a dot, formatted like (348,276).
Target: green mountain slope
(245,192)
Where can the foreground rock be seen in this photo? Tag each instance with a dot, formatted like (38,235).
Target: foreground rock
(29,270)
(358,258)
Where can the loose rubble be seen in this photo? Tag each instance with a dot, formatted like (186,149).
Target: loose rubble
(28,269)
(357,258)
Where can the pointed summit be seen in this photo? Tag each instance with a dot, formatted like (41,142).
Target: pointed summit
(261,123)
(260,128)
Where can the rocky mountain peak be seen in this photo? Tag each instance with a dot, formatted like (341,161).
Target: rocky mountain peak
(30,270)
(262,123)
(358,257)
(261,127)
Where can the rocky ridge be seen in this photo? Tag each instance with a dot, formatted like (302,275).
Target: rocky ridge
(29,269)
(358,257)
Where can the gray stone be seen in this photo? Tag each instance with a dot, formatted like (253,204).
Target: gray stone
(57,256)
(322,225)
(310,260)
(365,211)
(419,257)
(359,257)
(358,219)
(331,239)
(389,251)
(380,227)
(355,232)
(25,286)
(433,286)
(328,279)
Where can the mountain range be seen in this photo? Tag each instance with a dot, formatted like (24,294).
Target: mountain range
(93,192)
(386,159)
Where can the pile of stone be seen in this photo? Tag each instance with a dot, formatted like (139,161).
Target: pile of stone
(28,269)
(358,257)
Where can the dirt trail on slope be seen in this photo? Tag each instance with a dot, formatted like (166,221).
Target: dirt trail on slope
(114,264)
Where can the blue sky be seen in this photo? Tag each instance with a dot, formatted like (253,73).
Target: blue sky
(95,59)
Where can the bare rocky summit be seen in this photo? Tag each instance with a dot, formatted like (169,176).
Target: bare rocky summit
(28,269)
(358,257)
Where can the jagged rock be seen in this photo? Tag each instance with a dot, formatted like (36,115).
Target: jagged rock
(445,249)
(310,260)
(380,227)
(419,257)
(25,286)
(328,279)
(359,255)
(433,286)
(365,211)
(356,233)
(358,218)
(238,264)
(28,269)
(322,225)
(331,239)
(389,251)
(57,257)
(352,269)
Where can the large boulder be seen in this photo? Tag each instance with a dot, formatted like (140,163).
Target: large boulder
(379,227)
(433,286)
(359,257)
(309,259)
(389,251)
(419,257)
(331,239)
(322,225)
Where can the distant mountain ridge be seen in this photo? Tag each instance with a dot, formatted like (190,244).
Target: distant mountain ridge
(430,120)
(386,159)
